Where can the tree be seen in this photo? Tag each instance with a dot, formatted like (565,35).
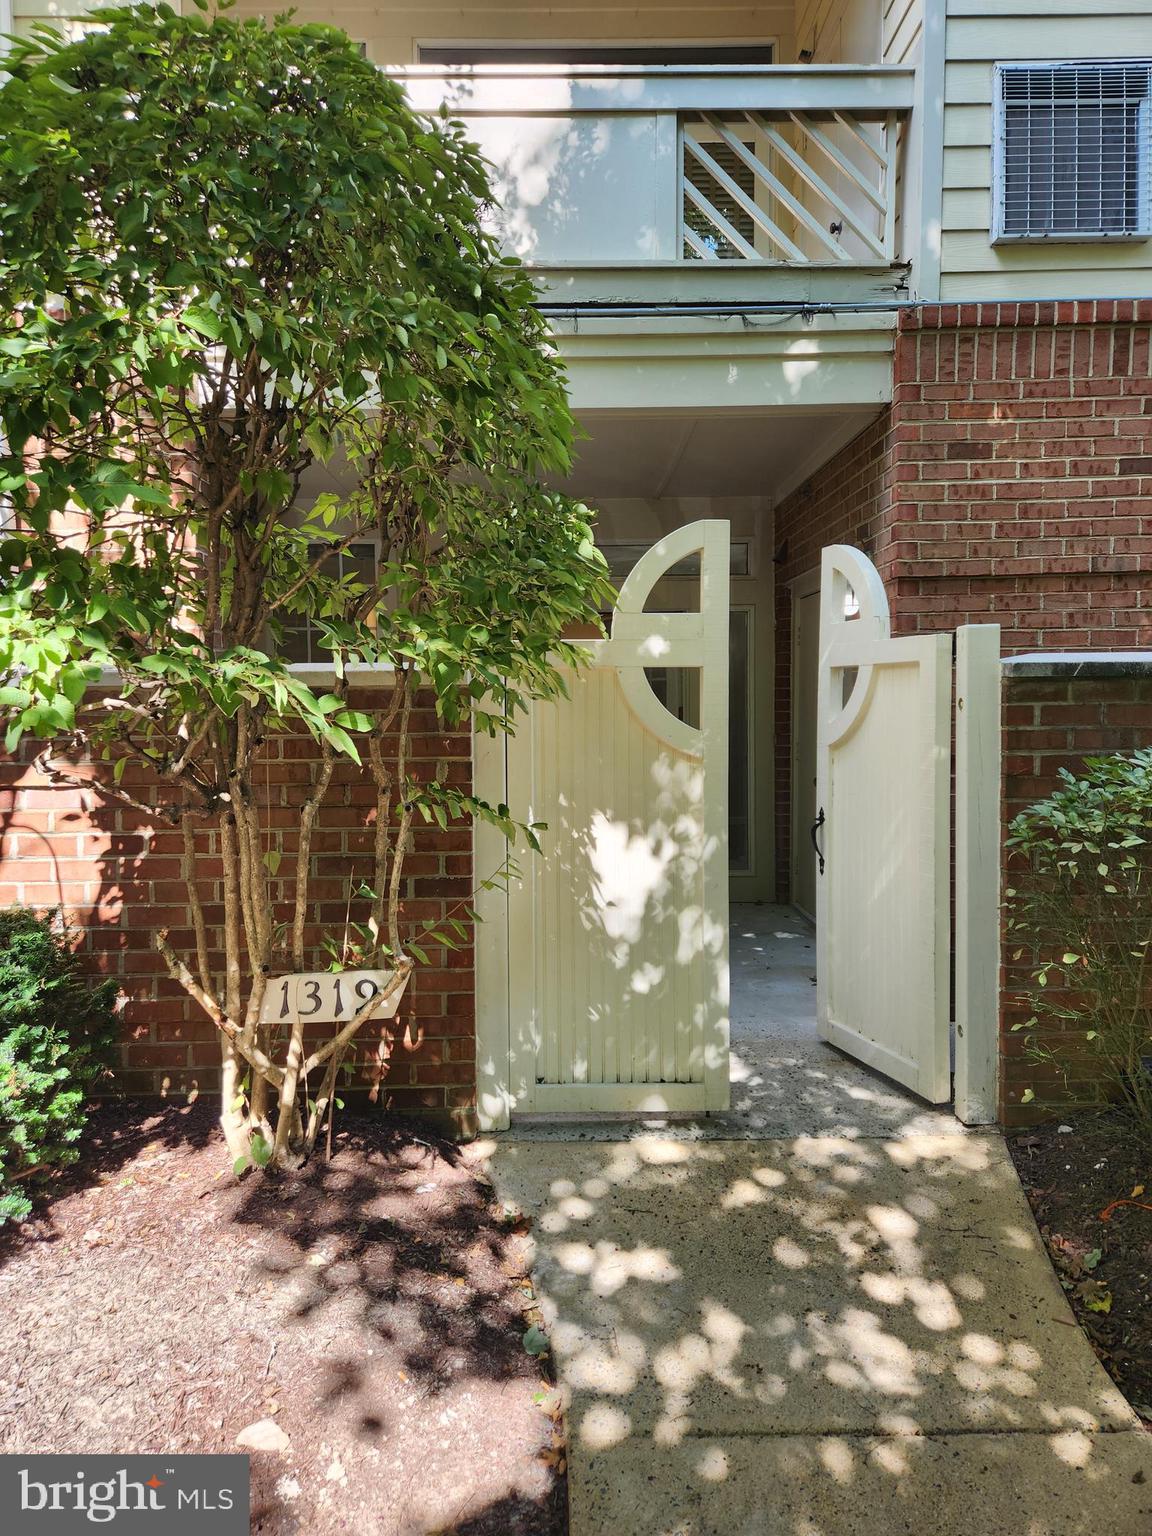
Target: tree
(229,251)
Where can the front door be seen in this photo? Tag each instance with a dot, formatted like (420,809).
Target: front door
(883,779)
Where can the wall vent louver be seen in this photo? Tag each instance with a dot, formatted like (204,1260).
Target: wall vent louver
(1072,146)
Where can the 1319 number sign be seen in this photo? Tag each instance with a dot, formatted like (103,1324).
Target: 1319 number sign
(327,997)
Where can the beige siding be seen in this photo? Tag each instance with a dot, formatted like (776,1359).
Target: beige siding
(902,31)
(71,17)
(845,31)
(860,31)
(979,34)
(392,31)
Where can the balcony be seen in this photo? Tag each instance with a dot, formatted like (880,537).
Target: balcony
(673,183)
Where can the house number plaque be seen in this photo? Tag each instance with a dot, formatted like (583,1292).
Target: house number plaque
(327,997)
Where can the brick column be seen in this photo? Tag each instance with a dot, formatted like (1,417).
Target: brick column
(1022,471)
(1010,482)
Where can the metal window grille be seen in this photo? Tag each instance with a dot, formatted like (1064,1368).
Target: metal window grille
(1074,150)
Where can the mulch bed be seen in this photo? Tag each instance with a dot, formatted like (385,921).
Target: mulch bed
(374,1307)
(1073,1174)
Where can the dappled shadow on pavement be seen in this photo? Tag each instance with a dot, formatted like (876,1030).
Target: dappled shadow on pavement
(815,1336)
(785,1081)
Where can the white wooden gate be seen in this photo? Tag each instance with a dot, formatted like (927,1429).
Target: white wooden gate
(883,770)
(883,844)
(612,953)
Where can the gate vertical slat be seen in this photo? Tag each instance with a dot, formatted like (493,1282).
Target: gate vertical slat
(493,1090)
(978,834)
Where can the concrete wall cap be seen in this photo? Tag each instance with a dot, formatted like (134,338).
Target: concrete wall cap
(1079,664)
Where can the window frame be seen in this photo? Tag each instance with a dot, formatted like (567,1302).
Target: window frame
(680,51)
(369,541)
(1002,236)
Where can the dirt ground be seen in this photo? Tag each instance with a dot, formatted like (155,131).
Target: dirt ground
(373,1307)
(1073,1173)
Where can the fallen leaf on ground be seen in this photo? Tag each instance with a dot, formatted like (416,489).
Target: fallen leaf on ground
(551,1402)
(535,1341)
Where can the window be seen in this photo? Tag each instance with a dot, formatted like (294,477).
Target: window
(605,54)
(300,639)
(621,557)
(714,192)
(1072,146)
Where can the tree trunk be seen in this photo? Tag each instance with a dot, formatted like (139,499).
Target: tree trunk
(233,1121)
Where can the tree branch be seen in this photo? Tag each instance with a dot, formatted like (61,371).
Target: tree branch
(180,972)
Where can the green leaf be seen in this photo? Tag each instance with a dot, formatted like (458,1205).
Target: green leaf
(354,720)
(535,1341)
(341,740)
(205,321)
(240,1165)
(261,1151)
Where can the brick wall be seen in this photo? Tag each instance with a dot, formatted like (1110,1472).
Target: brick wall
(1052,723)
(1023,471)
(117,875)
(1010,482)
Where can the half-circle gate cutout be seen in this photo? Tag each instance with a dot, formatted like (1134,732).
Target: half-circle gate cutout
(669,639)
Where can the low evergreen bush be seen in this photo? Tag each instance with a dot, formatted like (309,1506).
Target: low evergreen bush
(57,1033)
(1080,912)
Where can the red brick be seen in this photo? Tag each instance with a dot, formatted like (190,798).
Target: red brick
(123,880)
(1011,479)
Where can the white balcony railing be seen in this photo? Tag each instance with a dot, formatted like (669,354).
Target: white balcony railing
(596,166)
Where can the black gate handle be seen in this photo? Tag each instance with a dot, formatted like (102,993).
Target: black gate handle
(816,825)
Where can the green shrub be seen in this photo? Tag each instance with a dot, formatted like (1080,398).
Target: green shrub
(1081,913)
(57,1029)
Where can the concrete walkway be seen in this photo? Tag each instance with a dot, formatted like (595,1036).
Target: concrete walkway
(828,1314)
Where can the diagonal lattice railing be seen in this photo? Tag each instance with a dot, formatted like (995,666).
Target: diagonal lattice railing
(601,168)
(790,186)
